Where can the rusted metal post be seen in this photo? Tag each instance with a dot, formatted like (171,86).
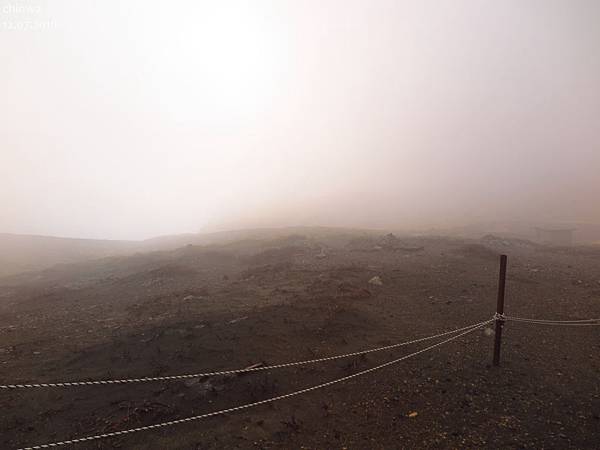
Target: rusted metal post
(500,310)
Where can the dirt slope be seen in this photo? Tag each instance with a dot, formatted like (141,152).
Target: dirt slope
(292,297)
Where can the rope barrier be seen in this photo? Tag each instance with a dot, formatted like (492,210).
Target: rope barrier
(579,322)
(261,402)
(229,372)
(548,320)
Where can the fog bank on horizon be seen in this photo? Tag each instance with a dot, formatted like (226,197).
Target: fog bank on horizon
(127,120)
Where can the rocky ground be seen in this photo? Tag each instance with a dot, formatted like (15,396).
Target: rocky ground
(267,301)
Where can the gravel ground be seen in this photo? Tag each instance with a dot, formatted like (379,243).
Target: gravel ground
(299,297)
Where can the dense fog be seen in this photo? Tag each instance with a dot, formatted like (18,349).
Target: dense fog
(126,120)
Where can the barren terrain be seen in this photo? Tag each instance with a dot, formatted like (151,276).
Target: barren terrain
(290,297)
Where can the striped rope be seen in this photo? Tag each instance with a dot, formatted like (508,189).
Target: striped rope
(250,405)
(580,322)
(228,372)
(554,321)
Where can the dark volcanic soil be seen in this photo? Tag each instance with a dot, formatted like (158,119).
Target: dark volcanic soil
(270,301)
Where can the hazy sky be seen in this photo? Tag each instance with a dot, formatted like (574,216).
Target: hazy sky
(128,119)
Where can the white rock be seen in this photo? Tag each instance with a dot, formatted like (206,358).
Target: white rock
(376,281)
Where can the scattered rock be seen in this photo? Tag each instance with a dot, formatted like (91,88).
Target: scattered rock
(239,319)
(376,281)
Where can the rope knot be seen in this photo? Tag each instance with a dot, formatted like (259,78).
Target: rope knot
(500,317)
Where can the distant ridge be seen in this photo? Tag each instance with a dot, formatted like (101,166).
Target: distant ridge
(24,252)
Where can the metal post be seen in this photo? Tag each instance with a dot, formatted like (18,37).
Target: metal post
(500,310)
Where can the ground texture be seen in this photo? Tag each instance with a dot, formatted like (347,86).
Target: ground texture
(269,301)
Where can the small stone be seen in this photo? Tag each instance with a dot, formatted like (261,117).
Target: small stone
(376,281)
(239,319)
